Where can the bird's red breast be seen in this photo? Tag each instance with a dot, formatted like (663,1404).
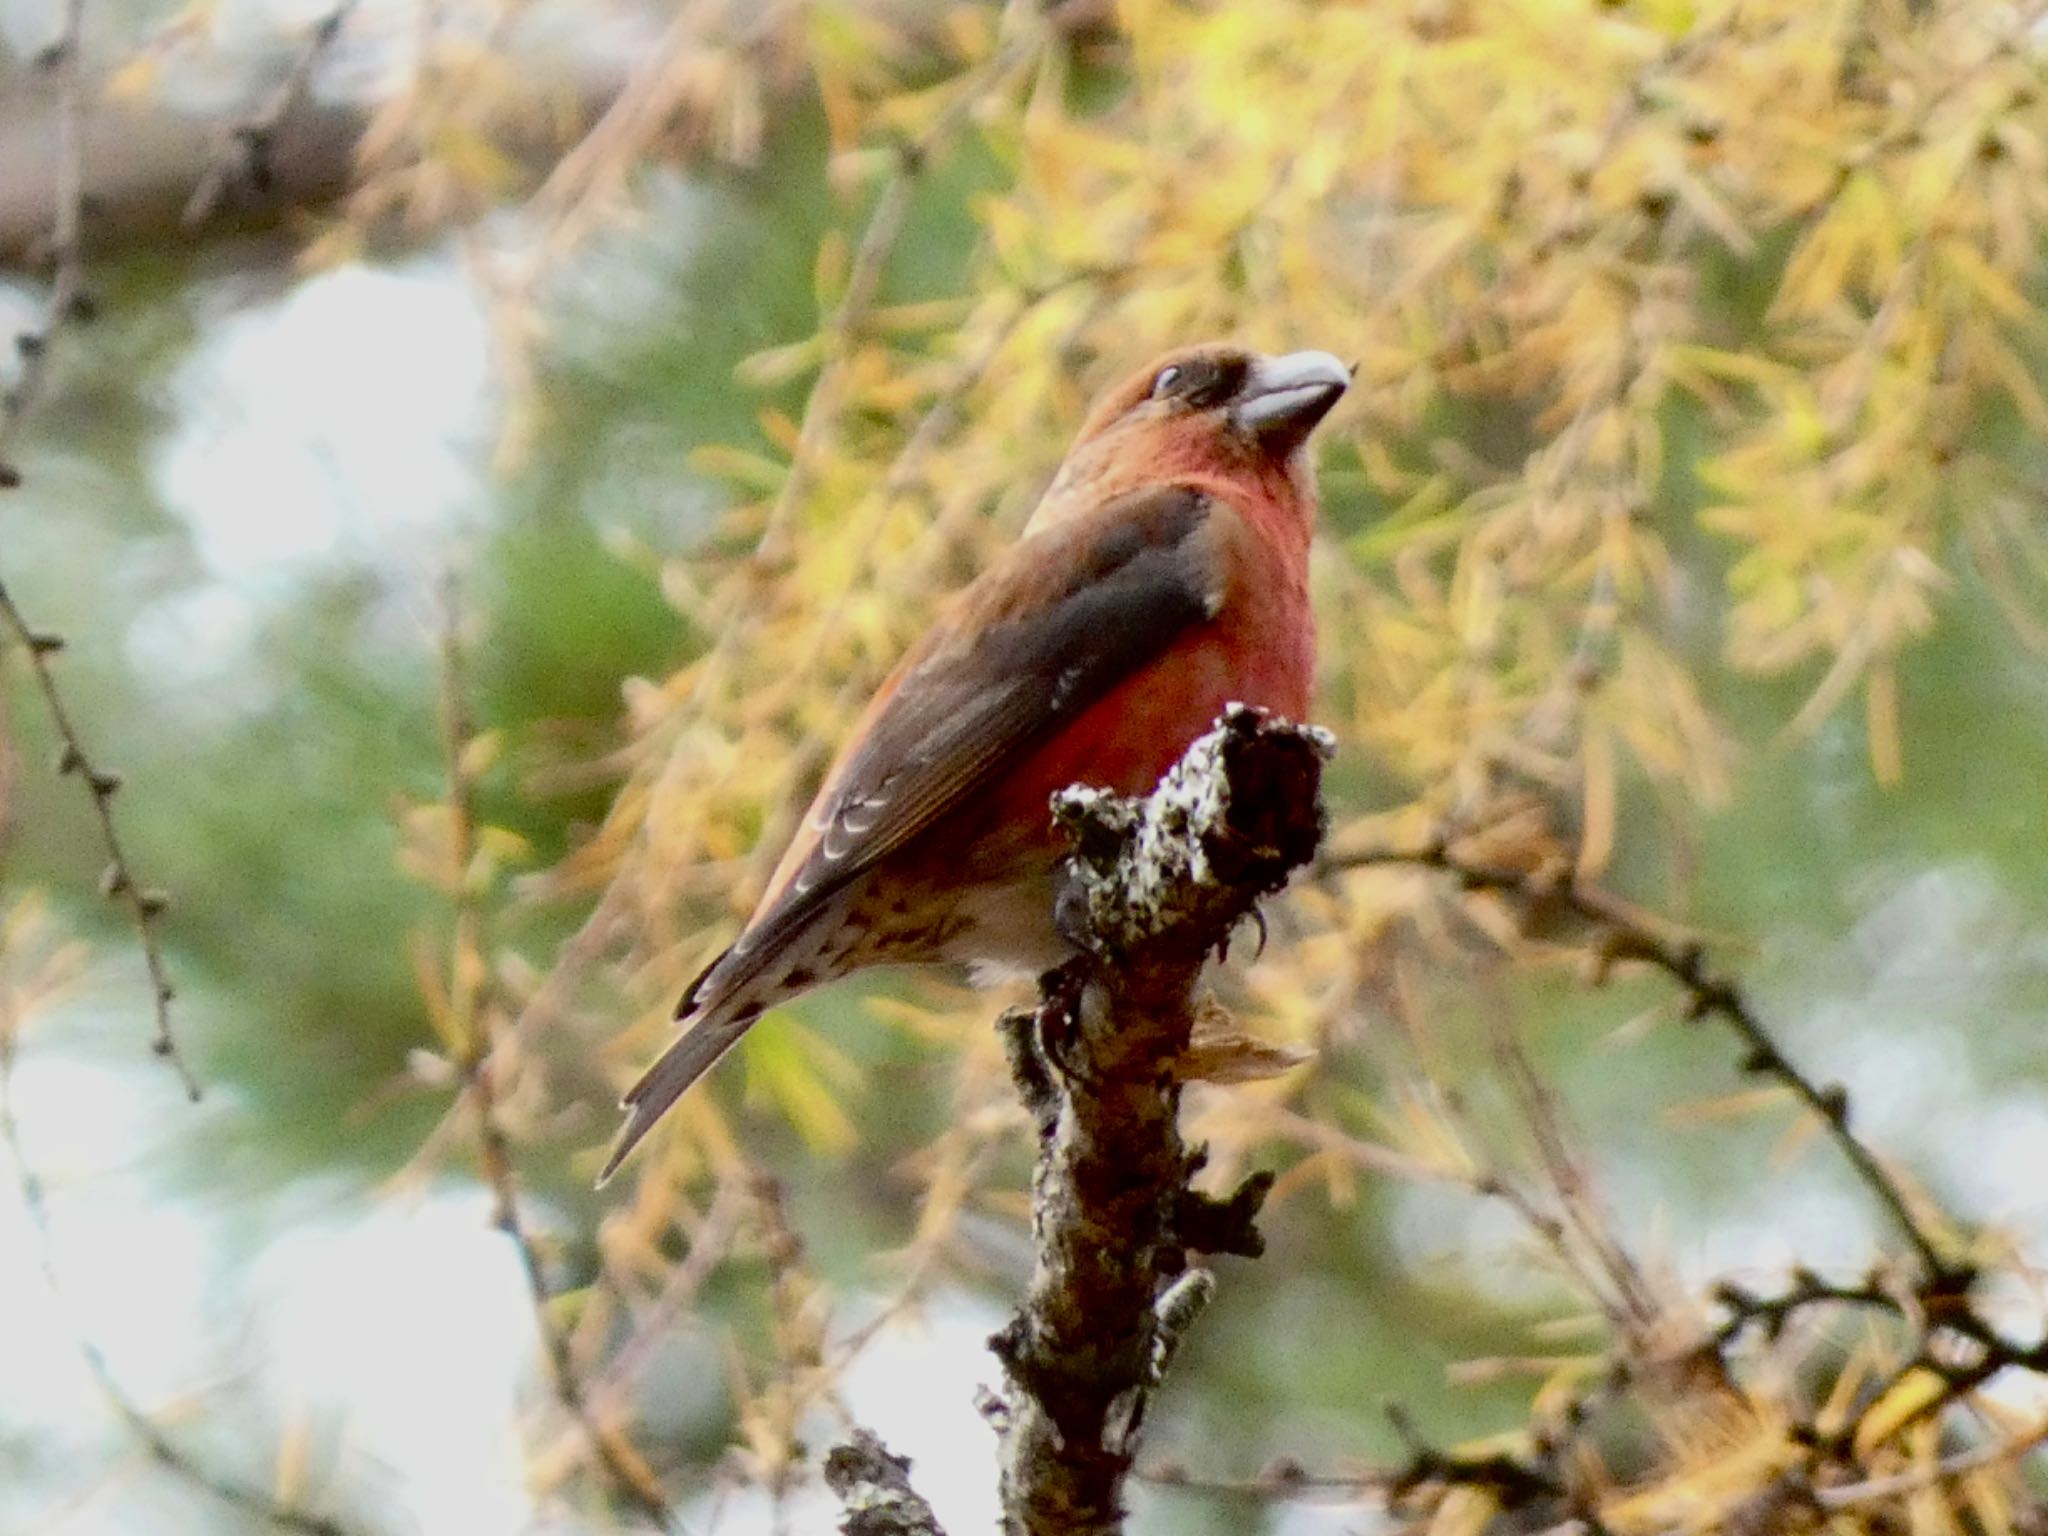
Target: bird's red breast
(1163,575)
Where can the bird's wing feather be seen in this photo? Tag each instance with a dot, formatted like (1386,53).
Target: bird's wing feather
(1050,628)
(1054,625)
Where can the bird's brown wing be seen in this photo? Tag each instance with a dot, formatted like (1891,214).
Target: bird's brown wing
(1046,631)
(1050,628)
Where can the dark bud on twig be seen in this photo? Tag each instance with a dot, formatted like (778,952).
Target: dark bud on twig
(113,881)
(993,1408)
(10,477)
(1205,1224)
(105,782)
(1834,1103)
(1282,1472)
(1734,1297)
(1403,1426)
(69,759)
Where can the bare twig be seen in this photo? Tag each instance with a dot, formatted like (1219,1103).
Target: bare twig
(1281,1478)
(119,882)
(67,302)
(1916,1479)
(151,1436)
(474,1010)
(1772,1314)
(247,144)
(1156,885)
(607,1388)
(1627,938)
(865,271)
(1949,1336)
(710,1245)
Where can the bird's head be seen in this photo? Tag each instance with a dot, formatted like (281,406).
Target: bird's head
(1206,412)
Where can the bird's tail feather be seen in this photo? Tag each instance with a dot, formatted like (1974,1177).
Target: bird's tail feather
(694,1054)
(766,967)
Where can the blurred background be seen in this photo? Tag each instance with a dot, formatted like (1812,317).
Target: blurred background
(478,454)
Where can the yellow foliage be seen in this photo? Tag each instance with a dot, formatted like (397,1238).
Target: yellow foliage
(1623,282)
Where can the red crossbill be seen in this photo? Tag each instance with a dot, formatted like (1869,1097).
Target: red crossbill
(1163,576)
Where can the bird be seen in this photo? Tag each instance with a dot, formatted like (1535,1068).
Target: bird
(1162,575)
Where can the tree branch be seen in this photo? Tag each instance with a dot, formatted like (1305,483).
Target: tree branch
(477,1012)
(1625,938)
(60,219)
(68,304)
(875,1488)
(119,881)
(152,1435)
(1154,887)
(246,156)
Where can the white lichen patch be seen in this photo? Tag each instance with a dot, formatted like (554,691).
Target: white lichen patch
(1137,861)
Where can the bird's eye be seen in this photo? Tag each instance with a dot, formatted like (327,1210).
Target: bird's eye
(1168,377)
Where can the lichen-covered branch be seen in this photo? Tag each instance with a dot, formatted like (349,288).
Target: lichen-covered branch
(874,1487)
(1155,887)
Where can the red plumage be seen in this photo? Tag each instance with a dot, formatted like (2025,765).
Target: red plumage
(1163,575)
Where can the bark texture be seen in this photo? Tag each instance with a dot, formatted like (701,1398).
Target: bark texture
(1156,886)
(874,1489)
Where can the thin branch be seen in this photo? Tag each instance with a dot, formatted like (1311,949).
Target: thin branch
(151,1436)
(244,155)
(1513,1485)
(1708,994)
(1635,1305)
(867,267)
(1771,1315)
(119,882)
(67,302)
(1917,1479)
(1950,1336)
(607,1387)
(1280,1479)
(475,1009)
(796,1335)
(710,1245)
